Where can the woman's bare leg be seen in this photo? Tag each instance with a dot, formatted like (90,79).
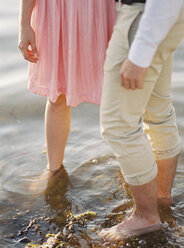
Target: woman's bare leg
(57,127)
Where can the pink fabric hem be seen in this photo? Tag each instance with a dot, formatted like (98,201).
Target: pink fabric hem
(71,39)
(70,101)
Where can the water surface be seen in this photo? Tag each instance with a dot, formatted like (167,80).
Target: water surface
(90,180)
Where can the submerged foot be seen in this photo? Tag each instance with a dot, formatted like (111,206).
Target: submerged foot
(133,226)
(40,183)
(54,173)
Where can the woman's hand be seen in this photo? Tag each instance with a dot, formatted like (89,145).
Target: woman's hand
(27,44)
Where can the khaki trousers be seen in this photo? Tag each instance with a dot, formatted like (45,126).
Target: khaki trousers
(123,111)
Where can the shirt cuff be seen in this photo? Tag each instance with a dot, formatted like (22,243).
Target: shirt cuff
(141,53)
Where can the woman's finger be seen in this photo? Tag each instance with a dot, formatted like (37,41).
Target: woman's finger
(28,56)
(34,49)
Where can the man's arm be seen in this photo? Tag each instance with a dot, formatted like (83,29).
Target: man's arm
(157,20)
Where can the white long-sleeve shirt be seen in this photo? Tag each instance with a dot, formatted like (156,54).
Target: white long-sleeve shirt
(158,18)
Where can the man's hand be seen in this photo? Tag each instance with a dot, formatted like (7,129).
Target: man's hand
(132,75)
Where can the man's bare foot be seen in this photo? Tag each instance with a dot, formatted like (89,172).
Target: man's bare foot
(133,226)
(165,201)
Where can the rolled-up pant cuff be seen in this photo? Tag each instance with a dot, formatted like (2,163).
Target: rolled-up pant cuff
(146,177)
(167,154)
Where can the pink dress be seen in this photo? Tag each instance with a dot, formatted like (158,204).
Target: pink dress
(71,37)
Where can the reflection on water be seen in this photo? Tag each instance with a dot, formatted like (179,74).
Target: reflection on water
(55,195)
(96,185)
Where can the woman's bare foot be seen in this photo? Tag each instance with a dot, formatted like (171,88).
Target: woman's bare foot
(40,183)
(53,173)
(133,226)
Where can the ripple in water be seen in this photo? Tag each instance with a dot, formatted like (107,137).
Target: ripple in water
(96,185)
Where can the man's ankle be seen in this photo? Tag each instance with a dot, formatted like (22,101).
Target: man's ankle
(165,201)
(151,217)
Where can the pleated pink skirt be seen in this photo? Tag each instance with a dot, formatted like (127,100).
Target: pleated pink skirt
(71,37)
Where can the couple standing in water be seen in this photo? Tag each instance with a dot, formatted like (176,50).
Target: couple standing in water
(66,43)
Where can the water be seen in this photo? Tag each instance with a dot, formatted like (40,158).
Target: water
(91,179)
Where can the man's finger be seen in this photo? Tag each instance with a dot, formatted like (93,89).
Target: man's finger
(127,83)
(122,80)
(132,85)
(139,84)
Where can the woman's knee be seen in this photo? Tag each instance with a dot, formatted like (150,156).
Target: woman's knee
(60,102)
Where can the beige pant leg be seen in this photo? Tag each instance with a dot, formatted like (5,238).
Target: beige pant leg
(122,109)
(159,116)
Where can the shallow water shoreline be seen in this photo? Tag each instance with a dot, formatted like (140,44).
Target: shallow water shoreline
(91,179)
